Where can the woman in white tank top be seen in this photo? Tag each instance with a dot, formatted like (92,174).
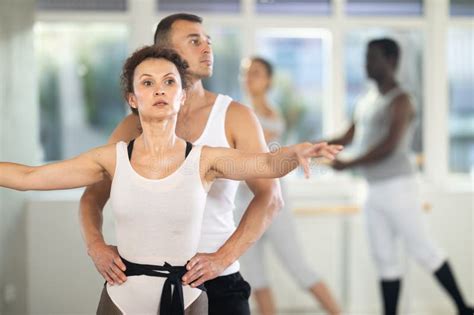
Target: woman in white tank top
(159,185)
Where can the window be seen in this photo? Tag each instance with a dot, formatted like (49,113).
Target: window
(84,5)
(222,6)
(462,8)
(226,43)
(461,95)
(80,99)
(310,7)
(76,101)
(384,7)
(409,69)
(301,61)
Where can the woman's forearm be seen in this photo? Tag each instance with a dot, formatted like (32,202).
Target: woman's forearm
(13,175)
(281,162)
(81,171)
(237,165)
(90,212)
(288,158)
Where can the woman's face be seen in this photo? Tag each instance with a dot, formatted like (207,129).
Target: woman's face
(256,78)
(158,91)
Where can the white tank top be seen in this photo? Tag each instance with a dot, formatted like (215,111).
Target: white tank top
(218,222)
(372,118)
(156,221)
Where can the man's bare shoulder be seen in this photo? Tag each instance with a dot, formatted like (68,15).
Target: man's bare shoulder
(238,110)
(403,102)
(131,121)
(244,128)
(129,128)
(403,97)
(240,117)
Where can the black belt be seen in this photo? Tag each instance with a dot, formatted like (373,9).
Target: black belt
(172,301)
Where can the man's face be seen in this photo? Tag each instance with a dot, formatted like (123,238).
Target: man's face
(194,45)
(377,64)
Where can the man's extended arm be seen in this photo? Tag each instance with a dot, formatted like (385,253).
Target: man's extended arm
(346,138)
(105,257)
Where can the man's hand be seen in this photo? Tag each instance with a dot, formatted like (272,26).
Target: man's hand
(203,267)
(340,165)
(107,261)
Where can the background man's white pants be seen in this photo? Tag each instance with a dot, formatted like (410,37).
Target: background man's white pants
(393,212)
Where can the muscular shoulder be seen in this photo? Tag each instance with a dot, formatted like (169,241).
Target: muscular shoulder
(237,109)
(243,127)
(403,97)
(402,104)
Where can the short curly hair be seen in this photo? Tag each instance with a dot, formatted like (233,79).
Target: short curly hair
(150,52)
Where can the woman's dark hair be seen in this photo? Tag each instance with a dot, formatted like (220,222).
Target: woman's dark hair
(150,52)
(268,66)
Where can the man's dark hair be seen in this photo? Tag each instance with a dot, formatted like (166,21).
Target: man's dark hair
(163,28)
(389,48)
(266,64)
(150,52)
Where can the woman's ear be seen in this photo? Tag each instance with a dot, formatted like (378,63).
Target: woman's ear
(132,100)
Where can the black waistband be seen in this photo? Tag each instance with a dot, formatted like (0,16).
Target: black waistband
(172,300)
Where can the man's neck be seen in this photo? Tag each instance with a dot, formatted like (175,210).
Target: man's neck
(196,95)
(384,85)
(195,112)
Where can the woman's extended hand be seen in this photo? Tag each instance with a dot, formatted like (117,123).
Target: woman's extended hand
(306,151)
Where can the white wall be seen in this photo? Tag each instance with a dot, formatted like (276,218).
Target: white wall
(61,277)
(18,142)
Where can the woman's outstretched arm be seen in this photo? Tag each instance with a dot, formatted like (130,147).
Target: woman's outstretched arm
(85,169)
(239,165)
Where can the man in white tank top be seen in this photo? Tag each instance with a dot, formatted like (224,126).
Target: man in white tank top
(382,133)
(204,119)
